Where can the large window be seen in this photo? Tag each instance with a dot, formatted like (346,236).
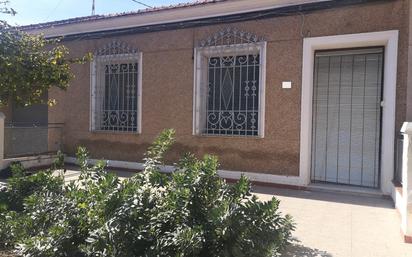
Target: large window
(229,85)
(116,89)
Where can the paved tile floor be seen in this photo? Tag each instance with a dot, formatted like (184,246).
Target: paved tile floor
(340,225)
(331,224)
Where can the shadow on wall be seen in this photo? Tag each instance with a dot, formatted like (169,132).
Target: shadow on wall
(296,249)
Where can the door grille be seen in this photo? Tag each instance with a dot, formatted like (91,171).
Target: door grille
(347,117)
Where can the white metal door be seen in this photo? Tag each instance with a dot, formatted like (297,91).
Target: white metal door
(347,116)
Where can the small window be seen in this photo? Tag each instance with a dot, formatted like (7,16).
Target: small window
(229,85)
(116,89)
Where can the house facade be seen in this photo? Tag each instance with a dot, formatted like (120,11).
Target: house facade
(287,92)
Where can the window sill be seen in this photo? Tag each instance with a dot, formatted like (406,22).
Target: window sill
(115,132)
(229,137)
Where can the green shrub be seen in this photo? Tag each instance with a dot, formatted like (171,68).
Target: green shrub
(13,169)
(58,163)
(14,223)
(189,213)
(21,186)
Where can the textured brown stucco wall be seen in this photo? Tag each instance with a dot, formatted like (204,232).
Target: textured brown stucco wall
(168,89)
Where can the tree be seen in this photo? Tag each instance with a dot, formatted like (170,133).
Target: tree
(30,64)
(5,9)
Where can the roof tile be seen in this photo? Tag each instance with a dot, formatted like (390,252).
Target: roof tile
(115,15)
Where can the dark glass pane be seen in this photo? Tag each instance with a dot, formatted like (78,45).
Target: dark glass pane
(233,99)
(120,99)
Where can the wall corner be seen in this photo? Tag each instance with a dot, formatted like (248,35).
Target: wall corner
(406,210)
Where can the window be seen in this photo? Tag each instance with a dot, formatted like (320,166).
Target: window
(116,89)
(229,85)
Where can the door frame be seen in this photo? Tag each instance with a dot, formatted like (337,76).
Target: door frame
(388,39)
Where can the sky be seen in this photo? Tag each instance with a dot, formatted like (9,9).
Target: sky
(37,11)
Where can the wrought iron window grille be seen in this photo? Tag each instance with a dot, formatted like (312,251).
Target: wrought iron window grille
(229,84)
(116,89)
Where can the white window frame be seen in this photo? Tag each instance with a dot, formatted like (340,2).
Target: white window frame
(201,54)
(121,58)
(388,39)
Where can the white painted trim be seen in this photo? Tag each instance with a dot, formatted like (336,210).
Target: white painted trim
(109,163)
(92,94)
(262,177)
(29,161)
(227,174)
(168,16)
(200,53)
(401,205)
(389,39)
(399,201)
(196,106)
(139,94)
(93,85)
(405,206)
(262,89)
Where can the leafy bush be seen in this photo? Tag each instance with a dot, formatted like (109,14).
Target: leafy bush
(20,186)
(189,213)
(58,163)
(14,224)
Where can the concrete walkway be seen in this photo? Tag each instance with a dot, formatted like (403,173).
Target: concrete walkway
(340,225)
(331,224)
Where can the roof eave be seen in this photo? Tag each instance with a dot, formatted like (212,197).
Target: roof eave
(190,13)
(199,15)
